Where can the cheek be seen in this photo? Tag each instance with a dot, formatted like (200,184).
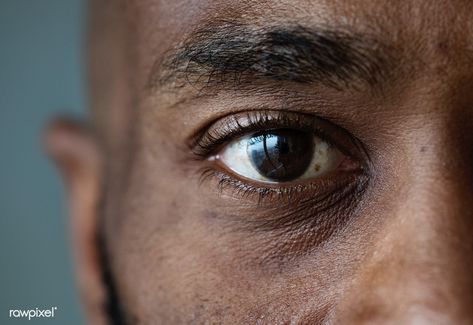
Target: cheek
(171,269)
(167,254)
(177,262)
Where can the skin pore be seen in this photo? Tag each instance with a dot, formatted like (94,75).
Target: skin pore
(169,225)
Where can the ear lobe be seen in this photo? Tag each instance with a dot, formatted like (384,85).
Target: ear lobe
(72,146)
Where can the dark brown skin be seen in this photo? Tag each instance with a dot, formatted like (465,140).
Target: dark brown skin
(395,244)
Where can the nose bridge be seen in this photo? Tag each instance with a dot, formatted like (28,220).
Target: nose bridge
(420,269)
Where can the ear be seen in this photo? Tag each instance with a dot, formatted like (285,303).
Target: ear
(73,148)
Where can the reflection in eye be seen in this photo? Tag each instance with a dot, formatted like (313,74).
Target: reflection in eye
(280,155)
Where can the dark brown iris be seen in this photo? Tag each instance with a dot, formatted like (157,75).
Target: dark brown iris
(281,154)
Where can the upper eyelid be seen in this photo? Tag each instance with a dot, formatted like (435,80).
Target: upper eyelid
(203,144)
(239,124)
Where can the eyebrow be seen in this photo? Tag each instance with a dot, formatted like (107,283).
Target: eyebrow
(235,55)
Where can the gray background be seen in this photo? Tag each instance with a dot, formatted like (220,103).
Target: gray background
(41,74)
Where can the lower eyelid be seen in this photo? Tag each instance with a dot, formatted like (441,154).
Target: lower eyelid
(307,217)
(271,194)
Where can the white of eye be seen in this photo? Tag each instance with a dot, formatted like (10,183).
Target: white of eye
(235,156)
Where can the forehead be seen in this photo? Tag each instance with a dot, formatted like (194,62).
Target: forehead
(438,31)
(435,18)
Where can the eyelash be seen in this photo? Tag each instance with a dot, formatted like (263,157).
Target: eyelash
(281,193)
(208,143)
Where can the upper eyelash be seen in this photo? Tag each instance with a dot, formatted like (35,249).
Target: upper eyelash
(210,140)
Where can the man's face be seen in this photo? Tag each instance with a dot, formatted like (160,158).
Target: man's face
(290,162)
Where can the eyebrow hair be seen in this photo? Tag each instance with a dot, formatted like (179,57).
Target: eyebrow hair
(235,55)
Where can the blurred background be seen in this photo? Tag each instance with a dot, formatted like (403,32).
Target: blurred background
(41,75)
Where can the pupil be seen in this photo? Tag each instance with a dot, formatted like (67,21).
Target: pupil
(281,154)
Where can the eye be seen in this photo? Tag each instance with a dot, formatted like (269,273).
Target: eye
(280,155)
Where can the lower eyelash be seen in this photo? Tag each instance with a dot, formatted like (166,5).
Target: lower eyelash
(280,194)
(293,219)
(227,182)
